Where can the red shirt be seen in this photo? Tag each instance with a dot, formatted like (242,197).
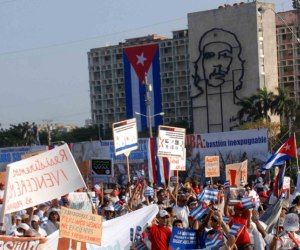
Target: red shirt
(160,237)
(244,237)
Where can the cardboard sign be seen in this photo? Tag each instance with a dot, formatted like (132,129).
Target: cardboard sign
(2,177)
(80,226)
(183,239)
(41,178)
(178,163)
(125,136)
(236,173)
(102,167)
(212,166)
(171,142)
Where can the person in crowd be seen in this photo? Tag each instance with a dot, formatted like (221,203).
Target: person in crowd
(109,212)
(295,208)
(36,229)
(177,223)
(160,232)
(53,222)
(181,210)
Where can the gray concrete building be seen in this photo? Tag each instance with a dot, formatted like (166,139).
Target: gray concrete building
(232,54)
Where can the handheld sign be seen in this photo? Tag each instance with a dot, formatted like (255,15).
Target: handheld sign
(125,136)
(102,167)
(171,142)
(178,163)
(80,226)
(182,238)
(41,178)
(212,166)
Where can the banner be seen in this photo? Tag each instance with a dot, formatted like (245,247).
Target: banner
(80,201)
(236,173)
(17,243)
(13,154)
(80,226)
(125,136)
(212,166)
(171,142)
(231,146)
(183,239)
(178,163)
(41,178)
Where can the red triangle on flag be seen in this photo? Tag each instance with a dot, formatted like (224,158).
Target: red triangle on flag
(141,57)
(289,147)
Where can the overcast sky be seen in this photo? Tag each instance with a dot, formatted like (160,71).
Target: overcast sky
(44,45)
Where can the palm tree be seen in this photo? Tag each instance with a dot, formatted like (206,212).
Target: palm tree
(256,106)
(283,104)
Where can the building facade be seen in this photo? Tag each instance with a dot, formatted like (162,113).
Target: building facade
(231,57)
(288,51)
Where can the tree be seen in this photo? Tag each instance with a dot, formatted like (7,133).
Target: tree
(296,4)
(256,107)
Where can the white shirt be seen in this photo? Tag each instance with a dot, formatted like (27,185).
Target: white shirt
(284,243)
(50,227)
(182,213)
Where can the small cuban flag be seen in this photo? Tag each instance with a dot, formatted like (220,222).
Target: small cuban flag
(149,191)
(209,195)
(226,184)
(226,219)
(236,229)
(248,203)
(117,206)
(214,241)
(198,212)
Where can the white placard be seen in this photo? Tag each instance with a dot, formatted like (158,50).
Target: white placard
(178,163)
(125,136)
(41,178)
(171,142)
(286,182)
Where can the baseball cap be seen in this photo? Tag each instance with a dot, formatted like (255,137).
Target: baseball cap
(291,222)
(109,208)
(24,226)
(163,213)
(35,218)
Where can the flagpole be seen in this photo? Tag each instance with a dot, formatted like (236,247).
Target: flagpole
(296,153)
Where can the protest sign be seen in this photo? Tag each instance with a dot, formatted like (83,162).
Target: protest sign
(183,239)
(41,178)
(212,166)
(171,142)
(125,136)
(2,177)
(102,167)
(16,243)
(237,173)
(178,163)
(286,183)
(80,226)
(81,201)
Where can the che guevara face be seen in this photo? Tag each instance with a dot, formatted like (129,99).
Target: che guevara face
(216,62)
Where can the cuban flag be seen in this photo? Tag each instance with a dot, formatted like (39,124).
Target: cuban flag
(209,195)
(149,191)
(248,203)
(158,167)
(198,212)
(236,229)
(140,61)
(214,241)
(285,152)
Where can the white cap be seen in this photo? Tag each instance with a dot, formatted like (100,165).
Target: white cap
(163,213)
(291,222)
(18,217)
(35,218)
(109,208)
(24,226)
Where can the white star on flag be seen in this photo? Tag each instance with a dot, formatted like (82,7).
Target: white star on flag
(141,59)
(287,147)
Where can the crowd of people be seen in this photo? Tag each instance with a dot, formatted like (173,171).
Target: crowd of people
(221,216)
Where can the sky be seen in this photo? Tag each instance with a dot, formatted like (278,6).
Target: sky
(44,46)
